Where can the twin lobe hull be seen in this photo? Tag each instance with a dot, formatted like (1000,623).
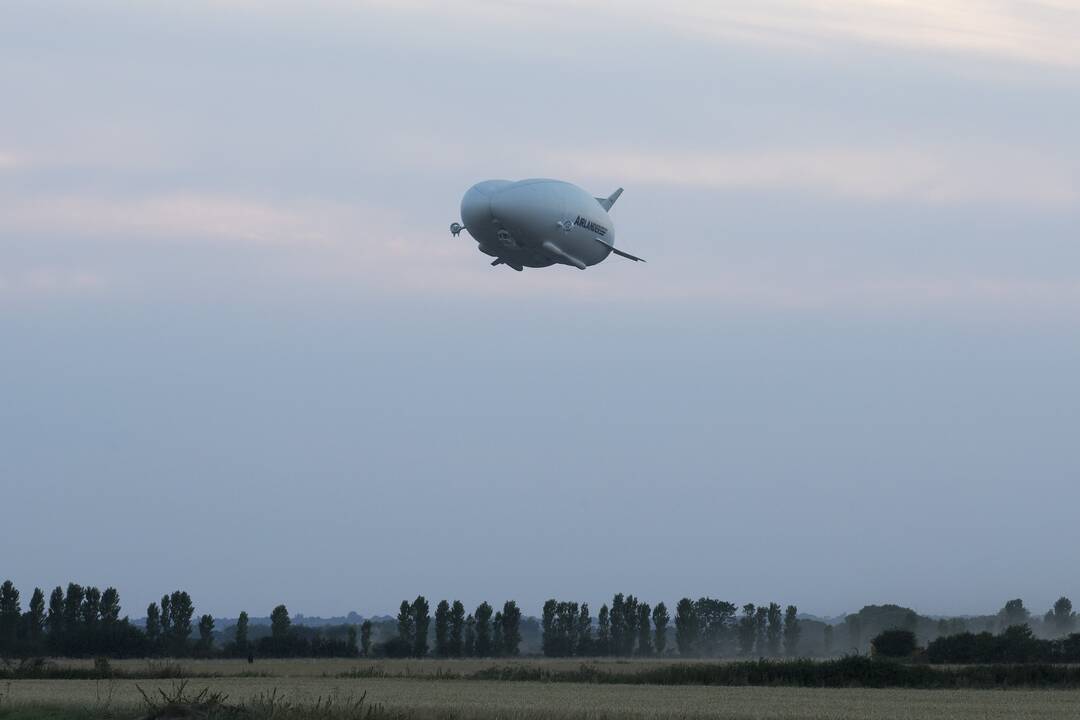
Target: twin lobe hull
(537,223)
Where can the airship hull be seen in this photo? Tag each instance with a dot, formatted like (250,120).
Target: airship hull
(536,223)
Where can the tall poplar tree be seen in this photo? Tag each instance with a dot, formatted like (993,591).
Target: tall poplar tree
(35,619)
(421,622)
(406,626)
(470,636)
(497,634)
(457,629)
(548,641)
(761,630)
(747,630)
(54,621)
(583,641)
(603,631)
(618,624)
(241,640)
(442,629)
(686,628)
(792,631)
(644,641)
(153,625)
(660,621)
(483,630)
(10,614)
(511,636)
(775,630)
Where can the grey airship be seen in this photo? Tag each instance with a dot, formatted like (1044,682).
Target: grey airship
(537,223)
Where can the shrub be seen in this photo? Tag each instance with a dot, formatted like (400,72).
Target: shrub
(894,644)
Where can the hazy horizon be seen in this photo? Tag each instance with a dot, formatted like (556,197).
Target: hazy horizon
(243,356)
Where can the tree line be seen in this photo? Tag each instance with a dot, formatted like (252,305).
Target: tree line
(484,632)
(86,621)
(705,627)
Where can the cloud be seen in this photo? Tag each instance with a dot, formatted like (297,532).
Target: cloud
(181,216)
(1041,31)
(1036,31)
(945,176)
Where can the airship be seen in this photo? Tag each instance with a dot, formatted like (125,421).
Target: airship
(538,223)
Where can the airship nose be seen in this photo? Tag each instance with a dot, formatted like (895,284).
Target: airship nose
(476,208)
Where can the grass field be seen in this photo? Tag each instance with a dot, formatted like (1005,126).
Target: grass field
(332,667)
(308,685)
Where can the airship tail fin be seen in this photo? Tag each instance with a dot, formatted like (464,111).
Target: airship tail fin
(617,251)
(607,202)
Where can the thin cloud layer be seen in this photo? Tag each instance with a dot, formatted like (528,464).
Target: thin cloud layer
(1038,31)
(943,176)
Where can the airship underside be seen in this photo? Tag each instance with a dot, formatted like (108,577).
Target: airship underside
(537,223)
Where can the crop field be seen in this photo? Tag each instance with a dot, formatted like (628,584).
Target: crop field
(415,692)
(492,699)
(333,667)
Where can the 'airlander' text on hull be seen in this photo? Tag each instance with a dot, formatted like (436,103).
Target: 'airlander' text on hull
(536,223)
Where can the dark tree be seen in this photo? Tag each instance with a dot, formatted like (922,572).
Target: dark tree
(206,634)
(110,606)
(470,636)
(1063,617)
(1014,613)
(618,624)
(153,624)
(660,621)
(166,617)
(827,640)
(91,608)
(241,640)
(761,630)
(566,629)
(496,634)
(483,630)
(686,628)
(630,619)
(775,629)
(280,624)
(602,643)
(421,622)
(35,619)
(406,626)
(644,639)
(10,615)
(73,600)
(747,629)
(54,621)
(181,612)
(792,630)
(894,644)
(583,635)
(365,638)
(442,629)
(457,629)
(511,636)
(714,618)
(548,641)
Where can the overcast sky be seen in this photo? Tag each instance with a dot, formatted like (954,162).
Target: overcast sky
(240,353)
